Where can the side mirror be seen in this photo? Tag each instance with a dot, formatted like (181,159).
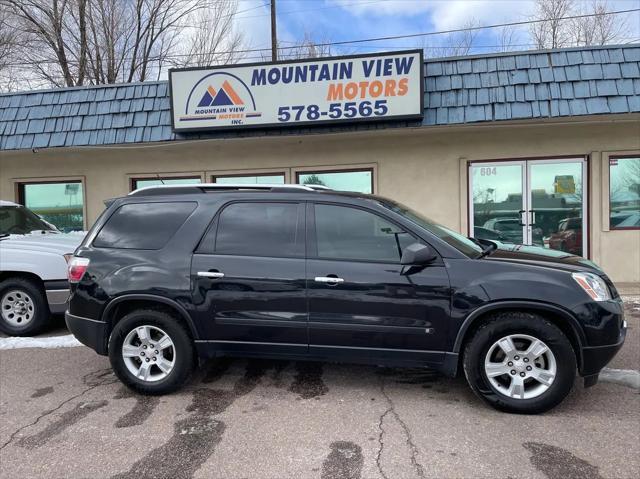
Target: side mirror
(418,254)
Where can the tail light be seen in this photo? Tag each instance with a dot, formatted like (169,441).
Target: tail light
(76,268)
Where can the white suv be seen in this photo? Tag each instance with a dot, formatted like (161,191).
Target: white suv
(33,269)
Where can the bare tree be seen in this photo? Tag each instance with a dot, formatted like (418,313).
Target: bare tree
(310,46)
(507,39)
(212,38)
(551,31)
(7,38)
(456,44)
(75,42)
(599,29)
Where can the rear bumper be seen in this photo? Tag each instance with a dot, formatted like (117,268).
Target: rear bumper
(89,332)
(594,358)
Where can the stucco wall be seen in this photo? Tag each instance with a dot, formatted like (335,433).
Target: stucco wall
(425,168)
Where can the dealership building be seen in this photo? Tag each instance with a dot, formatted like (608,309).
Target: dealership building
(537,147)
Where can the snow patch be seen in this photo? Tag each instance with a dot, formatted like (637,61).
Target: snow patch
(67,341)
(626,377)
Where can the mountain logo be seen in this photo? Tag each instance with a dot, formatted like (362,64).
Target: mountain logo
(225,96)
(220,99)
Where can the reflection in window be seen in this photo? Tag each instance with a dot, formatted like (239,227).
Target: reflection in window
(141,183)
(360,181)
(60,204)
(271,179)
(624,193)
(354,234)
(260,229)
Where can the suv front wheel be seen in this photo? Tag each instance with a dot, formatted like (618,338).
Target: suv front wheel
(151,352)
(519,362)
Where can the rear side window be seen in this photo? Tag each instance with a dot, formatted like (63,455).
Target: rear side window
(143,225)
(261,229)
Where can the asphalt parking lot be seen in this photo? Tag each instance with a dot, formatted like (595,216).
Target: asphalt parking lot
(64,415)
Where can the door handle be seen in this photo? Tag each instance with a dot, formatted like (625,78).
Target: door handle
(328,279)
(211,274)
(522,217)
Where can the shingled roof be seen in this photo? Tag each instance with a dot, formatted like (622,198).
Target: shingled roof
(481,88)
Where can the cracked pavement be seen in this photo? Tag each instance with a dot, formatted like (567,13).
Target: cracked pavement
(64,415)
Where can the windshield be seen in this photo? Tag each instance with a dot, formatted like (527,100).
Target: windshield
(458,241)
(17,220)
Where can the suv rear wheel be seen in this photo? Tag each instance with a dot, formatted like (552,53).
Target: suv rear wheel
(23,307)
(520,362)
(151,352)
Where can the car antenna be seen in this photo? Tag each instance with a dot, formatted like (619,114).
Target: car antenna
(161,180)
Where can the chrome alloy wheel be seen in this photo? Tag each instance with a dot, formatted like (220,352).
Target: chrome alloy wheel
(520,366)
(17,308)
(149,353)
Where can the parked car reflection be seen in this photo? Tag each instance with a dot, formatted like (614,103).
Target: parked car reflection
(568,238)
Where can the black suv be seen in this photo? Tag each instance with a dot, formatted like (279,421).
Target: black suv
(169,274)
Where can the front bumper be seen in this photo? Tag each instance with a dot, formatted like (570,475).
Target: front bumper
(594,358)
(57,295)
(89,332)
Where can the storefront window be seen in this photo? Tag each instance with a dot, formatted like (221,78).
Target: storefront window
(142,182)
(353,180)
(624,193)
(60,204)
(260,179)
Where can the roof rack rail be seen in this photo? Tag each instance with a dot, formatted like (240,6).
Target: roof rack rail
(202,187)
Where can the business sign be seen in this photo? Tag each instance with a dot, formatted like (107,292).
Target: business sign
(326,90)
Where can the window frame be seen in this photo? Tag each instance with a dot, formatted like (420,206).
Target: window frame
(20,183)
(250,173)
(350,169)
(608,199)
(211,232)
(312,243)
(134,179)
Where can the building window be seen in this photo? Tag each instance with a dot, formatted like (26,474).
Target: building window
(250,179)
(169,180)
(624,193)
(58,203)
(360,181)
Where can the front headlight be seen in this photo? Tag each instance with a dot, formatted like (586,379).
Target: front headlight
(593,285)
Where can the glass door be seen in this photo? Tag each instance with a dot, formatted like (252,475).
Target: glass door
(533,202)
(496,201)
(557,207)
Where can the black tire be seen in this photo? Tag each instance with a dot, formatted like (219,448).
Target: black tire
(182,343)
(38,317)
(509,323)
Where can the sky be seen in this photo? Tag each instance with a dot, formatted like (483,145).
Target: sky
(338,20)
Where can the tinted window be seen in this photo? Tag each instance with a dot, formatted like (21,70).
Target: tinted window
(453,238)
(143,225)
(260,229)
(20,221)
(141,183)
(624,192)
(350,233)
(275,179)
(360,181)
(60,204)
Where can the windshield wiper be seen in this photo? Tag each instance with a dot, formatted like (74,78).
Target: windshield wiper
(4,235)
